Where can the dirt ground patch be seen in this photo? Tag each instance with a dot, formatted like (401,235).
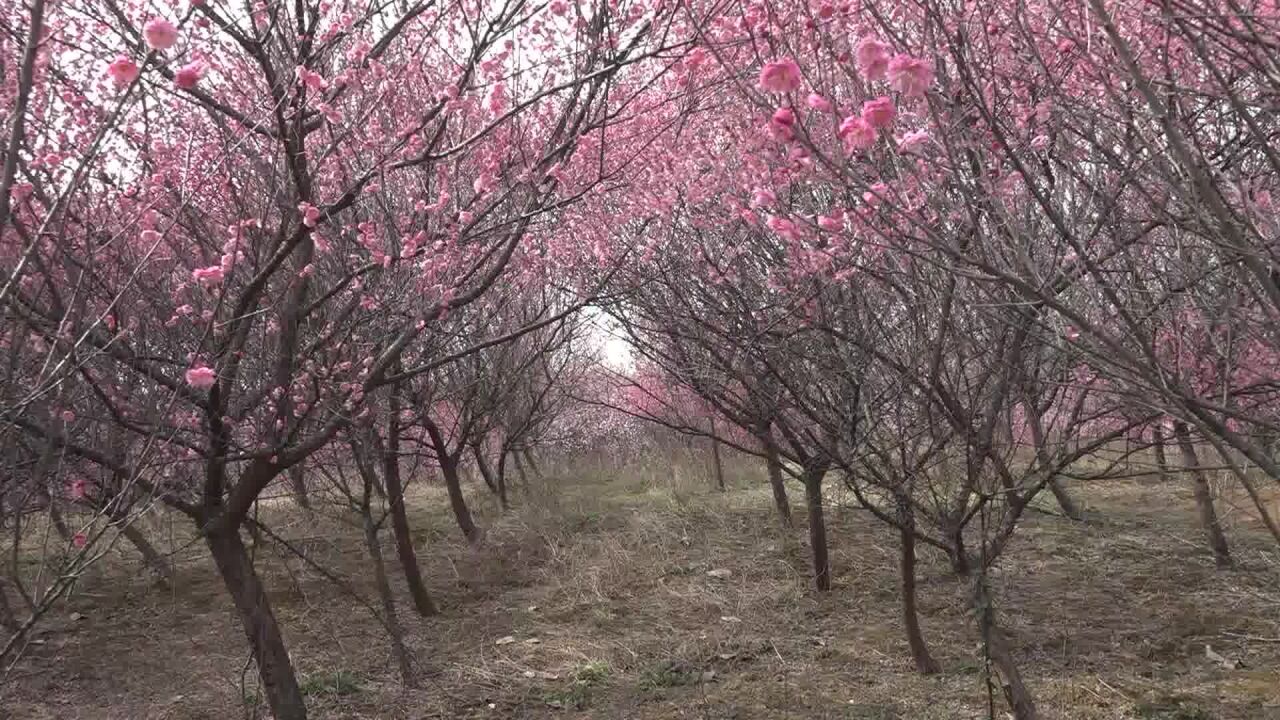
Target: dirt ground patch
(592,599)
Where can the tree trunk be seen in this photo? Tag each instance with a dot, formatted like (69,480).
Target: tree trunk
(1259,504)
(449,468)
(8,618)
(1204,498)
(398,648)
(1162,464)
(524,478)
(298,484)
(925,664)
(400,532)
(55,517)
(716,466)
(279,683)
(485,475)
(533,465)
(494,482)
(817,529)
(958,554)
(1001,656)
(1065,501)
(774,465)
(150,557)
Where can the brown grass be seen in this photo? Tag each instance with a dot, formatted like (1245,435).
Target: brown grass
(602,580)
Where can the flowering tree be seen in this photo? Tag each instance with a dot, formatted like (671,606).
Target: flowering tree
(204,210)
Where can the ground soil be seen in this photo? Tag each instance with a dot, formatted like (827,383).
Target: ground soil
(591,599)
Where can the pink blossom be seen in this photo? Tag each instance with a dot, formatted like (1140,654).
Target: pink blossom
(313,80)
(201,377)
(763,197)
(188,76)
(695,58)
(79,540)
(909,75)
(781,125)
(872,58)
(820,103)
(78,488)
(879,113)
(784,227)
(209,276)
(68,416)
(780,76)
(310,214)
(914,141)
(122,71)
(1039,142)
(160,34)
(857,133)
(558,7)
(834,222)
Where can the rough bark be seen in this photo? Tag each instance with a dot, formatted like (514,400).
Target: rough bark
(1162,464)
(298,485)
(392,620)
(773,464)
(924,662)
(1065,501)
(1204,498)
(457,501)
(532,463)
(8,618)
(716,466)
(403,537)
(150,556)
(1015,691)
(491,479)
(817,528)
(279,683)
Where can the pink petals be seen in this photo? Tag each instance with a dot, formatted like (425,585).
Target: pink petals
(909,75)
(160,34)
(879,113)
(820,103)
(914,142)
(201,377)
(872,58)
(122,71)
(780,76)
(858,134)
(209,276)
(188,76)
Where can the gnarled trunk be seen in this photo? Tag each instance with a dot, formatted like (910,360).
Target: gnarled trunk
(403,537)
(716,466)
(997,647)
(773,463)
(817,528)
(457,501)
(924,662)
(1162,464)
(8,618)
(1204,498)
(150,556)
(279,683)
(1065,501)
(398,648)
(298,484)
(492,480)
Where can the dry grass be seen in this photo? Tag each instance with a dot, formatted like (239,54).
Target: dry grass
(602,582)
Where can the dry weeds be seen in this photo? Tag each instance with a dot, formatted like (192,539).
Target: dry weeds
(601,581)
